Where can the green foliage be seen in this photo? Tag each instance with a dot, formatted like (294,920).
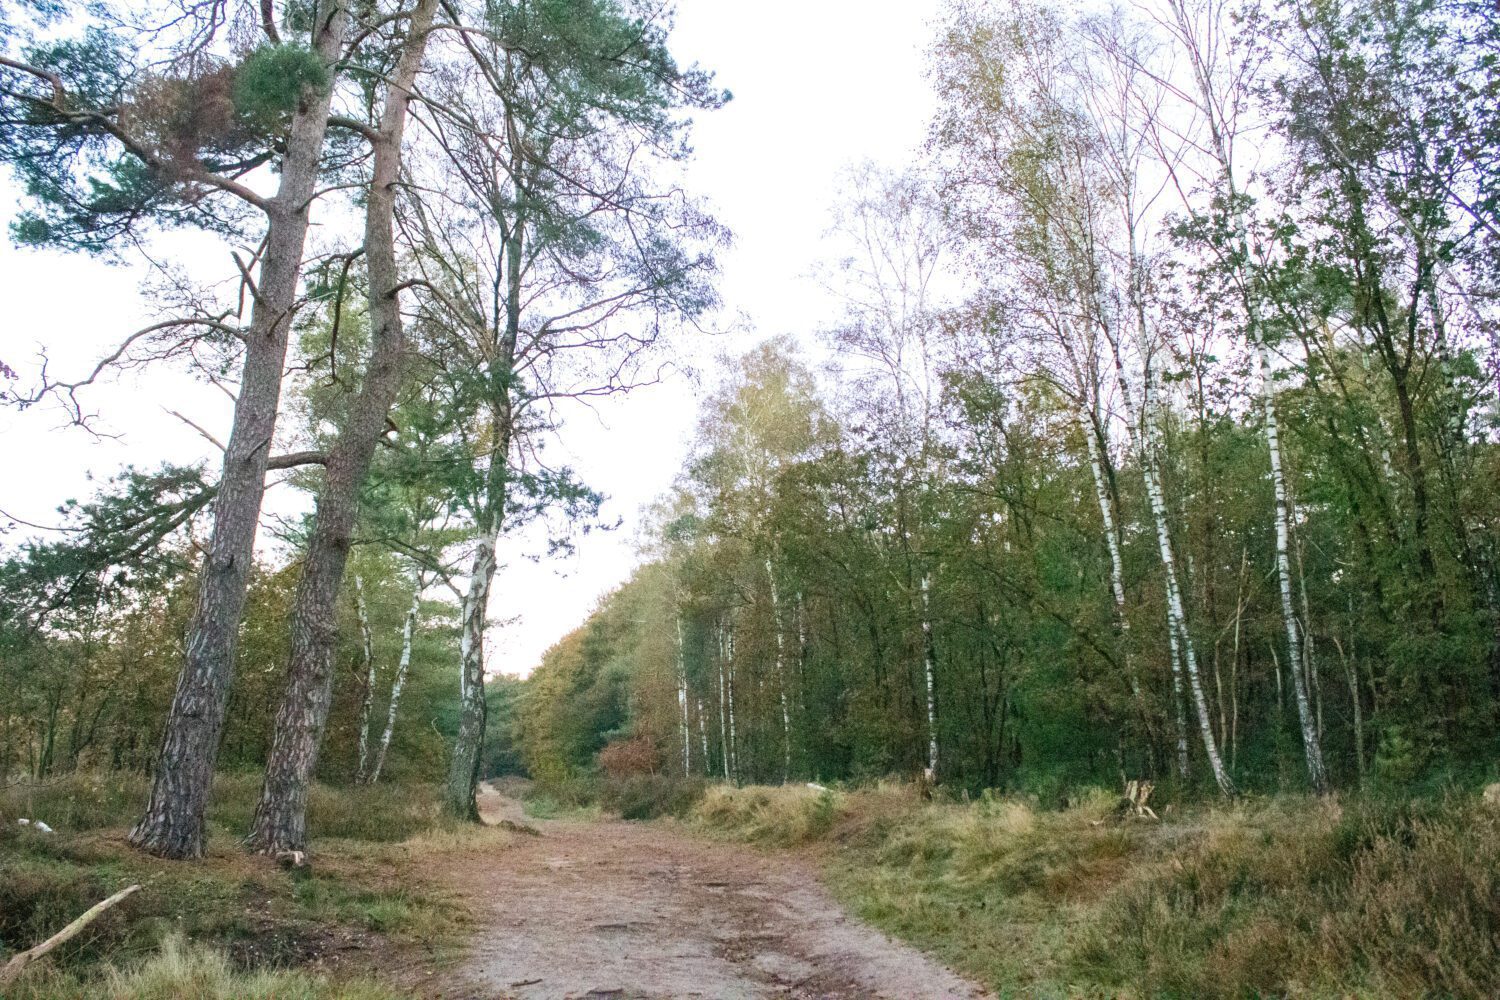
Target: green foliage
(270,81)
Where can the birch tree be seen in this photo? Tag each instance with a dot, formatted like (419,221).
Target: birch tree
(554,265)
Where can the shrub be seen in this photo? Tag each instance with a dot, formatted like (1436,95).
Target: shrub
(648,796)
(627,758)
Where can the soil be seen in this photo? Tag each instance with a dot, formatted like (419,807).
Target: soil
(611,909)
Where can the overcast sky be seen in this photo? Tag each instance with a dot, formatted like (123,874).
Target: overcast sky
(818,84)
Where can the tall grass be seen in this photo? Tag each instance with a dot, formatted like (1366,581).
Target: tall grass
(90,800)
(369,882)
(1282,897)
(180,971)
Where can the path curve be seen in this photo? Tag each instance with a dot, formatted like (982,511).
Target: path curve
(610,909)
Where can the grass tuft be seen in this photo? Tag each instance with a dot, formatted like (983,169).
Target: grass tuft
(180,971)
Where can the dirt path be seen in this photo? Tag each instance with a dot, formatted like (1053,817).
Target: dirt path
(630,910)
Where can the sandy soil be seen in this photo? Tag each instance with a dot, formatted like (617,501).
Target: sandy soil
(610,909)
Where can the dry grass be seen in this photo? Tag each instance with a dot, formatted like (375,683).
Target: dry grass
(180,971)
(373,888)
(781,816)
(1281,897)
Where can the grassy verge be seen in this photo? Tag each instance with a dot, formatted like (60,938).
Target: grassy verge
(1279,897)
(231,924)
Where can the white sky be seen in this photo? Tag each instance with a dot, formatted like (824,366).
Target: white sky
(817,84)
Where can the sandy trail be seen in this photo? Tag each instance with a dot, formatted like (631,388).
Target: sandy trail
(611,909)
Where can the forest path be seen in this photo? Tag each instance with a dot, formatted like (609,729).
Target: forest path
(611,909)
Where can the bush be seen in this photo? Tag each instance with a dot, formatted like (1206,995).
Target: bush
(648,796)
(628,758)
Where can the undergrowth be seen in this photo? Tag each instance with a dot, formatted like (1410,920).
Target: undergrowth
(180,971)
(629,796)
(1288,897)
(366,892)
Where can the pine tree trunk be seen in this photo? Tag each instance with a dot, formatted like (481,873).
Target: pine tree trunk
(280,821)
(403,665)
(366,703)
(172,825)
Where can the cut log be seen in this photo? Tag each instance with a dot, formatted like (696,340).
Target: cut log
(1133,804)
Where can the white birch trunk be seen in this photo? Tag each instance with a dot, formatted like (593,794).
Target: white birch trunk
(703,740)
(367,703)
(1177,616)
(786,715)
(1296,654)
(724,747)
(682,701)
(398,684)
(463,768)
(1112,541)
(1312,746)
(1180,641)
(734,756)
(929,665)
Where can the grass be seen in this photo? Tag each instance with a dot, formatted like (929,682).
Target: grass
(1276,897)
(630,796)
(180,971)
(371,889)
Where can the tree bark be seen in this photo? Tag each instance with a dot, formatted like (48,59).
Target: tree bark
(172,825)
(366,703)
(724,746)
(1180,641)
(403,665)
(280,822)
(682,701)
(786,715)
(929,669)
(703,740)
(1219,140)
(463,766)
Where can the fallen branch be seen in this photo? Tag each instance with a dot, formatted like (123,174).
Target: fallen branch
(19,962)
